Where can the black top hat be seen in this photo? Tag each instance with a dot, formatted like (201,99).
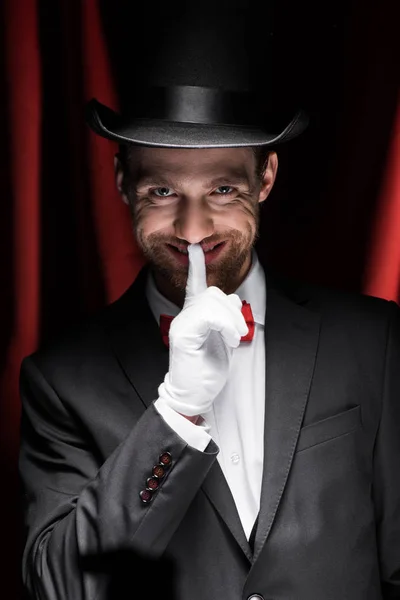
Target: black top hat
(198,78)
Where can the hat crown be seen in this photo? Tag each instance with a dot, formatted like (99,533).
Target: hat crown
(221,44)
(207,50)
(195,75)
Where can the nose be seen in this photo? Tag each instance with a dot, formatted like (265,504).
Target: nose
(194,222)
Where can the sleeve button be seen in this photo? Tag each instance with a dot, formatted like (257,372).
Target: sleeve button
(152,483)
(159,471)
(165,459)
(146,496)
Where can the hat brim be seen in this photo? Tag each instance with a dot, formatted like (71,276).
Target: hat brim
(172,134)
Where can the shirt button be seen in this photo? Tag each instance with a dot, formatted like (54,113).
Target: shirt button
(255,597)
(235,458)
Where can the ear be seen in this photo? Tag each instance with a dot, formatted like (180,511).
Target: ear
(119,178)
(269,176)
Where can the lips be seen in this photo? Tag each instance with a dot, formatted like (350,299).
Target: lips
(182,249)
(180,257)
(209,255)
(213,254)
(206,247)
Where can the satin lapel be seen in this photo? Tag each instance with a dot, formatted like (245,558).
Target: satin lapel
(136,340)
(292,334)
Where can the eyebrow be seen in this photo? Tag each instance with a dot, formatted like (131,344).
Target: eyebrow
(145,178)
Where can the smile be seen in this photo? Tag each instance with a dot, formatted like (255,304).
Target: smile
(181,255)
(184,251)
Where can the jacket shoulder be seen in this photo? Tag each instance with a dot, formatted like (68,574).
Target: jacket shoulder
(86,341)
(336,303)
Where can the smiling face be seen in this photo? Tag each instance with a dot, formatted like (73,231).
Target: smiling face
(187,196)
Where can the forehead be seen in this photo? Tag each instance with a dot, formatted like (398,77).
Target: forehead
(187,162)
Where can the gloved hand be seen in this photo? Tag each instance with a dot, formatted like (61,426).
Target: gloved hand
(201,342)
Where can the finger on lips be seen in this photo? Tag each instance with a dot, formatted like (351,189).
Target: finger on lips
(197,277)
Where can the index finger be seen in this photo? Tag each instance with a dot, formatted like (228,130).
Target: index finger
(197,278)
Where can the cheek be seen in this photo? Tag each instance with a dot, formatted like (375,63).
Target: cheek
(149,220)
(243,217)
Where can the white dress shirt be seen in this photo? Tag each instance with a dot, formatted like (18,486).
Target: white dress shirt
(236,421)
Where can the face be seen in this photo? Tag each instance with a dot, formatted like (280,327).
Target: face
(187,196)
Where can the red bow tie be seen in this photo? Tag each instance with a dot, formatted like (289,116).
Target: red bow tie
(166,320)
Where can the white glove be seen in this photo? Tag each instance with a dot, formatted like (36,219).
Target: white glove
(201,342)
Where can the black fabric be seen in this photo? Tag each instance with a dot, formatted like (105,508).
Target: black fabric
(252,537)
(175,134)
(221,44)
(205,105)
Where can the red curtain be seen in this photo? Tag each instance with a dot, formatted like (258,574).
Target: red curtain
(66,242)
(382,273)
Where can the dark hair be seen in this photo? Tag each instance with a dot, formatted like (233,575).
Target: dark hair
(261,154)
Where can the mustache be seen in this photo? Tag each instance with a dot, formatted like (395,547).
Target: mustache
(157,239)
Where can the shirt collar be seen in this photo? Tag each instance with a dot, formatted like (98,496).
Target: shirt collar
(252,289)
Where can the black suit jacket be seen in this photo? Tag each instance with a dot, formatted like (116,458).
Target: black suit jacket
(329,523)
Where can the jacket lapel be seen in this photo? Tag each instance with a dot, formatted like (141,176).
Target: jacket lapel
(217,490)
(291,336)
(137,342)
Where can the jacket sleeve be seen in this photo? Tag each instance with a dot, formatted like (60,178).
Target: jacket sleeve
(386,484)
(76,508)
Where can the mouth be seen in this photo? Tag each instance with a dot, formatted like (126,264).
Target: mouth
(181,254)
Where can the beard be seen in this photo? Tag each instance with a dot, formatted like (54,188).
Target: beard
(225,272)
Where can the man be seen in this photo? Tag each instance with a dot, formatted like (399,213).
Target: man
(255,443)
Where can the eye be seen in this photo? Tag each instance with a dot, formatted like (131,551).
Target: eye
(164,192)
(226,189)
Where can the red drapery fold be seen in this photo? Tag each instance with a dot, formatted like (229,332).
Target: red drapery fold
(382,274)
(118,253)
(22,66)
(24,112)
